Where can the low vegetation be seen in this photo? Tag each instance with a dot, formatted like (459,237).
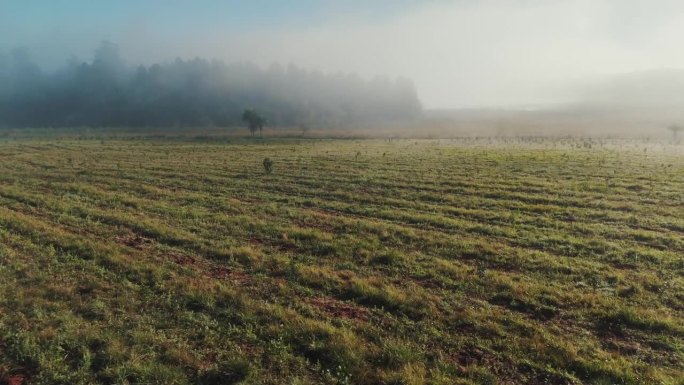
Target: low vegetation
(473,261)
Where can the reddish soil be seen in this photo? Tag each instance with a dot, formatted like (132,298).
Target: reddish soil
(135,241)
(339,308)
(239,277)
(183,260)
(17,379)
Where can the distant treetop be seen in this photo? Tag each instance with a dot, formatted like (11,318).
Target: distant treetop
(198,92)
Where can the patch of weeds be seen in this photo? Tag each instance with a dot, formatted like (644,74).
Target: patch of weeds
(226,372)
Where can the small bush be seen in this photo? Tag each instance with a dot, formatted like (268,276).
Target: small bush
(268,165)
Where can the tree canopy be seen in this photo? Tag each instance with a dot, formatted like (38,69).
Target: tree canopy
(198,92)
(254,120)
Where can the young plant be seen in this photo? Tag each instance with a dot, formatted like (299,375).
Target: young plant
(268,165)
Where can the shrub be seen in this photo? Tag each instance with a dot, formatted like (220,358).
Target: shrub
(268,165)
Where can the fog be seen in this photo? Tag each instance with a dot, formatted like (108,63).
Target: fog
(106,92)
(525,54)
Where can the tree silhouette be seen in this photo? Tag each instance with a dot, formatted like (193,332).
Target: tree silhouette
(676,129)
(254,121)
(105,91)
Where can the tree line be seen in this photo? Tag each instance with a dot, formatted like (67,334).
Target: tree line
(108,92)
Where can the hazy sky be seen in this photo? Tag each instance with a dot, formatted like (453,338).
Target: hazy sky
(460,53)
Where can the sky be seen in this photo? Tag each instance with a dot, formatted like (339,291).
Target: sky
(459,53)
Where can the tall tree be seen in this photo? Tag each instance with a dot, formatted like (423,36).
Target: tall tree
(254,121)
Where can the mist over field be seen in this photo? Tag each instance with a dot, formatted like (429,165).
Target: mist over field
(599,67)
(106,92)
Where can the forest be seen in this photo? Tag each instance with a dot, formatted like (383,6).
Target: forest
(109,92)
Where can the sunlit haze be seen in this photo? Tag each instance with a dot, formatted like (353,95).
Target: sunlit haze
(459,53)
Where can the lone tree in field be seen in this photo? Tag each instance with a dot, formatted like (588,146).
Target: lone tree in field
(254,121)
(676,129)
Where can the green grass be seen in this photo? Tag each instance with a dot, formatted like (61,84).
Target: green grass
(353,262)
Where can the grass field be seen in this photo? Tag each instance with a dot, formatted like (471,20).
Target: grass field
(353,262)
